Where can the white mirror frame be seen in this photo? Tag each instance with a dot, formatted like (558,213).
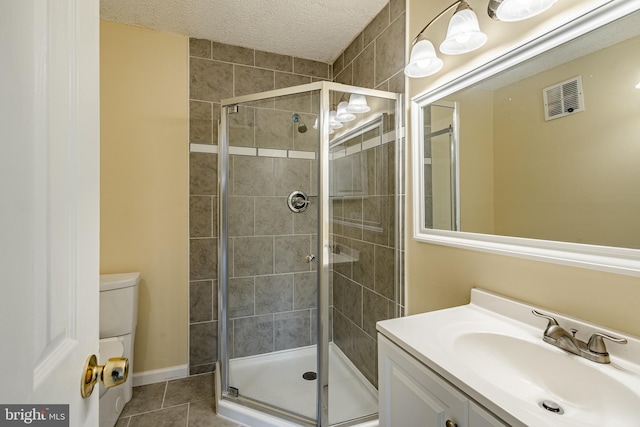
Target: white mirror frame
(604,258)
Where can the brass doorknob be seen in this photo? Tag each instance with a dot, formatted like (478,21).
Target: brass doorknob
(112,373)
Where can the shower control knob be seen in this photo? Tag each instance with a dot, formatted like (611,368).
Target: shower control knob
(310,258)
(298,201)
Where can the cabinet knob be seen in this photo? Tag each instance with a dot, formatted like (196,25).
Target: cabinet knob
(450,423)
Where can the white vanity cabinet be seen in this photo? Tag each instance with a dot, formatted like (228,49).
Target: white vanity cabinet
(412,395)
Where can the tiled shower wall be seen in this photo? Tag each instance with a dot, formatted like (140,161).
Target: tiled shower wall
(272,289)
(219,71)
(375,59)
(363,291)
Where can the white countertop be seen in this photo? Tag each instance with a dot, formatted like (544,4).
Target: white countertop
(450,342)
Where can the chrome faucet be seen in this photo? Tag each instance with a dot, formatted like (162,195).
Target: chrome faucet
(594,350)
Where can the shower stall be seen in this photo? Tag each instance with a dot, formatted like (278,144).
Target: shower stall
(310,252)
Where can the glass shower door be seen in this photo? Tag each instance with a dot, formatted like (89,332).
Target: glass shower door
(310,250)
(272,205)
(365,196)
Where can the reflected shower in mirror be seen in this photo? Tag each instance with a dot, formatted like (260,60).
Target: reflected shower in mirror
(440,175)
(549,149)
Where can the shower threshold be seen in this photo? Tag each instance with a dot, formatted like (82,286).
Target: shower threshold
(277,379)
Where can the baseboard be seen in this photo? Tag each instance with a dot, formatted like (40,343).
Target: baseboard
(160,375)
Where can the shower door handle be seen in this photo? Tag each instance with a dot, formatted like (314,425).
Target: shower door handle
(309,258)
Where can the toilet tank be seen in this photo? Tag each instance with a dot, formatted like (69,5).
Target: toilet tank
(118,304)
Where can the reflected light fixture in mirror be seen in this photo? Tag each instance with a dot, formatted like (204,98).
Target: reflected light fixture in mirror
(463,35)
(333,122)
(517,10)
(315,126)
(357,104)
(342,114)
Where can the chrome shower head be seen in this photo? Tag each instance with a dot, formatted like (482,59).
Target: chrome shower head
(302,128)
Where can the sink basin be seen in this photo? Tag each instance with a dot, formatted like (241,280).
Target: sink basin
(536,372)
(492,350)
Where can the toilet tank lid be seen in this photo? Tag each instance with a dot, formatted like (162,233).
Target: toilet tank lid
(109,282)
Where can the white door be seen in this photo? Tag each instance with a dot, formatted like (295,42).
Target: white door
(49,198)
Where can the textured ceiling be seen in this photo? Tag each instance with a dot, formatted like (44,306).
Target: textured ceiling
(310,29)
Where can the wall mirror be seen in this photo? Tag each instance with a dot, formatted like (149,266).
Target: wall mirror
(537,154)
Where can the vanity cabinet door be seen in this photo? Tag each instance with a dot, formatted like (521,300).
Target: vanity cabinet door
(480,417)
(410,395)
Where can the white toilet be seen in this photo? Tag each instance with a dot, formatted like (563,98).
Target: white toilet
(118,319)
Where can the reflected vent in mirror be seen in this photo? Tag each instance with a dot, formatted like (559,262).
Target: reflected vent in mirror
(563,99)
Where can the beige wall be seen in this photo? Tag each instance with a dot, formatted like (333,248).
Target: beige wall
(143,191)
(476,160)
(575,178)
(440,276)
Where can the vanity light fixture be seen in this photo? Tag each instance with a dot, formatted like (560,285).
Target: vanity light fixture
(517,10)
(463,35)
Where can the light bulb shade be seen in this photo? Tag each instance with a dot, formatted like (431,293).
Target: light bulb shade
(342,114)
(423,61)
(333,123)
(517,10)
(463,34)
(357,104)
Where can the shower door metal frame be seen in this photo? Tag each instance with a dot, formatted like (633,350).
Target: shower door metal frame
(323,257)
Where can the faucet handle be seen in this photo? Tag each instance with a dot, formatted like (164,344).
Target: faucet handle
(552,321)
(596,342)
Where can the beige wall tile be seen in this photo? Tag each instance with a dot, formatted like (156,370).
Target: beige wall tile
(390,56)
(354,49)
(346,75)
(397,7)
(363,71)
(273,61)
(248,80)
(235,54)
(338,65)
(203,175)
(396,82)
(308,67)
(274,129)
(288,79)
(376,26)
(203,254)
(201,122)
(210,80)
(201,216)
(200,48)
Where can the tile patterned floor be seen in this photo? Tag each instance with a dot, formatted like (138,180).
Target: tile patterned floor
(186,402)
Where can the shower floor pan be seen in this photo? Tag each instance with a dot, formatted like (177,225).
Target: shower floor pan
(277,379)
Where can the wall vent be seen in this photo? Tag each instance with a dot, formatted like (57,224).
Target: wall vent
(563,99)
